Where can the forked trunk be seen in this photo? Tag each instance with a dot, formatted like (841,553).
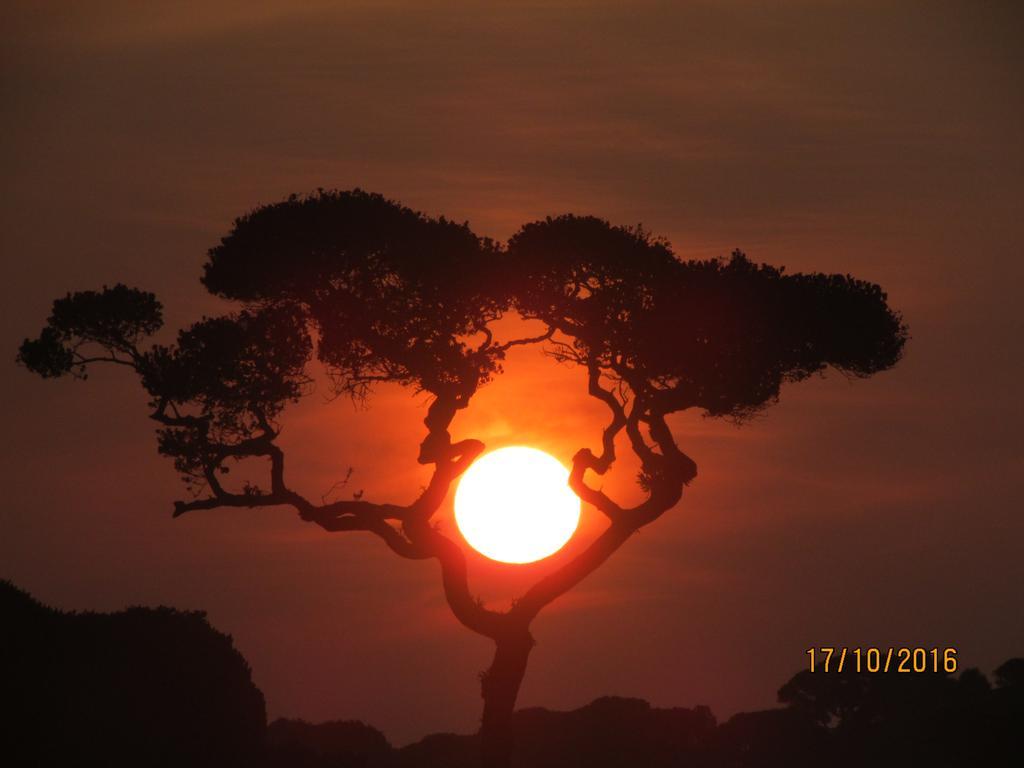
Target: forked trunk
(500,687)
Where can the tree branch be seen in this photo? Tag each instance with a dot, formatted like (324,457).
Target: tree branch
(585,459)
(529,340)
(667,473)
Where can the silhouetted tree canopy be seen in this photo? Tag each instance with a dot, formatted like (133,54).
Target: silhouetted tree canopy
(221,385)
(1011,674)
(92,326)
(393,294)
(381,293)
(718,335)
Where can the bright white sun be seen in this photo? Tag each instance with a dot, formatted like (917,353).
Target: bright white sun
(514,505)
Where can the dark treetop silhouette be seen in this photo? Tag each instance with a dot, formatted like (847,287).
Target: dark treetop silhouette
(385,294)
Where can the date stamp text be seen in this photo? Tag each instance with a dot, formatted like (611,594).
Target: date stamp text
(843,659)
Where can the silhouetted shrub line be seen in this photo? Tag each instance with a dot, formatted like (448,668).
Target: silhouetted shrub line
(161,687)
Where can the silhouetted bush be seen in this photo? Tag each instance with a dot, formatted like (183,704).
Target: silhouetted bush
(141,687)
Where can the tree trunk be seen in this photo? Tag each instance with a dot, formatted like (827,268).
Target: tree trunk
(500,687)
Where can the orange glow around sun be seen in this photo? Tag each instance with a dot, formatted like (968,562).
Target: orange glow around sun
(514,505)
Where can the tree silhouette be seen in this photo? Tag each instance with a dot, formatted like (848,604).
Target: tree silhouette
(380,293)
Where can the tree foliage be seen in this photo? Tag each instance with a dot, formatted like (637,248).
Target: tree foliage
(718,335)
(381,293)
(92,326)
(393,294)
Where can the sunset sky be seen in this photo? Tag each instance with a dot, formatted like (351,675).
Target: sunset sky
(877,138)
